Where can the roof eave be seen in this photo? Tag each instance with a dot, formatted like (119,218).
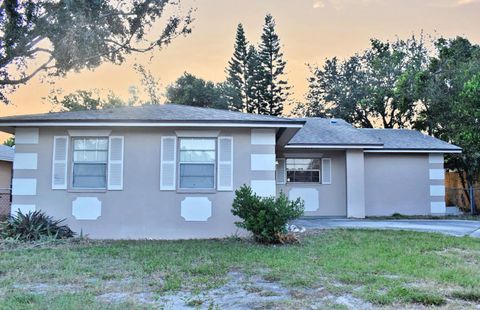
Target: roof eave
(334,146)
(390,150)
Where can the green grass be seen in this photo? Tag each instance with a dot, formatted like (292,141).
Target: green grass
(381,267)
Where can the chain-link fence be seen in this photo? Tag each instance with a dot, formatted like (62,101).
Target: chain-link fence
(461,198)
(5,202)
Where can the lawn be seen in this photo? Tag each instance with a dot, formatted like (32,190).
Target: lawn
(334,269)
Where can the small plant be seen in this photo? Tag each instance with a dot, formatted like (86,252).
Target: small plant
(34,226)
(265,218)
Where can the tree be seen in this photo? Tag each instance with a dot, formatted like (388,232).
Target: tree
(10,141)
(237,74)
(274,90)
(191,90)
(375,87)
(82,100)
(150,84)
(254,82)
(54,37)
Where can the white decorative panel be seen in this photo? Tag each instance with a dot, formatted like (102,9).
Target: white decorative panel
(437,190)
(437,207)
(86,208)
(263,136)
(115,163)
(168,163)
(23,208)
(262,162)
(326,171)
(225,164)
(308,195)
(24,187)
(26,136)
(435,158)
(196,209)
(437,174)
(264,188)
(25,161)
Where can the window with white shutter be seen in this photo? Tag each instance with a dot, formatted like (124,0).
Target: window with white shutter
(59,164)
(326,171)
(115,163)
(280,173)
(168,162)
(225,164)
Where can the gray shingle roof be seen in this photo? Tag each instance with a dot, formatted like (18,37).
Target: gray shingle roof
(323,131)
(6,153)
(149,113)
(404,139)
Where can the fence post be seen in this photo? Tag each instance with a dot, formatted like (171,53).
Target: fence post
(472,200)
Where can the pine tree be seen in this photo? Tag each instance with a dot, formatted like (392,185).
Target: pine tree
(275,88)
(254,82)
(237,73)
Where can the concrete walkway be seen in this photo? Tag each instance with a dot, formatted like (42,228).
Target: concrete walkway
(447,227)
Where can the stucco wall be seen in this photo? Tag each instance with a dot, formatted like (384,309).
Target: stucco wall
(141,210)
(331,197)
(5,174)
(396,183)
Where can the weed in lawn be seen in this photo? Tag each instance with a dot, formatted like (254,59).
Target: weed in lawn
(468,295)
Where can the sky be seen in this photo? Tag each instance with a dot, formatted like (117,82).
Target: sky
(310,31)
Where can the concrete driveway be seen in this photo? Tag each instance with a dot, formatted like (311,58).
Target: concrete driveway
(447,227)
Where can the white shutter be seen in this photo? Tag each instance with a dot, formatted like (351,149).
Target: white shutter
(168,155)
(59,163)
(225,164)
(280,173)
(326,171)
(115,163)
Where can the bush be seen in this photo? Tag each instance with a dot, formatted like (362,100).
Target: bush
(34,226)
(266,218)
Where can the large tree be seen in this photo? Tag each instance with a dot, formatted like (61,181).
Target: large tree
(81,100)
(372,89)
(191,90)
(54,37)
(237,74)
(254,82)
(275,90)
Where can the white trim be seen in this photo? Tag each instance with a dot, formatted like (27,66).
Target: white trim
(27,161)
(225,162)
(438,207)
(196,209)
(23,208)
(60,161)
(436,174)
(264,188)
(435,159)
(324,160)
(150,124)
(89,133)
(113,162)
(168,162)
(197,133)
(327,146)
(262,162)
(412,151)
(24,187)
(437,190)
(263,137)
(26,136)
(86,208)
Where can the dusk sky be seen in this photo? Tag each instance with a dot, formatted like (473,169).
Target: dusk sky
(310,31)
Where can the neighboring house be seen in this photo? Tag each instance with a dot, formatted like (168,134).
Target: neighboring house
(6,162)
(170,171)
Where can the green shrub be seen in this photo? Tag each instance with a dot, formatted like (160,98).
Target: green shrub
(34,226)
(265,218)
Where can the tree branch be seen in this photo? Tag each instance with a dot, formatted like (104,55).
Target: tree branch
(23,80)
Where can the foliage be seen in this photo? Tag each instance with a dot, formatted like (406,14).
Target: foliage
(10,141)
(375,87)
(274,90)
(191,90)
(34,226)
(237,73)
(55,37)
(150,85)
(265,217)
(81,100)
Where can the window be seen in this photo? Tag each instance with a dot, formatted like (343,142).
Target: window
(90,162)
(197,163)
(303,170)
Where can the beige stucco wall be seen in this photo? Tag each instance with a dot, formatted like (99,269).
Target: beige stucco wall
(141,210)
(331,197)
(397,183)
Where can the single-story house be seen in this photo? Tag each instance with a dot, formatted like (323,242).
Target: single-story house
(170,171)
(6,162)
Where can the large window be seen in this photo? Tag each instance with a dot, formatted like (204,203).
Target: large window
(197,163)
(303,170)
(90,162)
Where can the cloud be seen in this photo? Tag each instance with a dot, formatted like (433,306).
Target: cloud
(340,4)
(452,3)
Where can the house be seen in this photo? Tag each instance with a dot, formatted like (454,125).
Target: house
(6,162)
(170,171)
